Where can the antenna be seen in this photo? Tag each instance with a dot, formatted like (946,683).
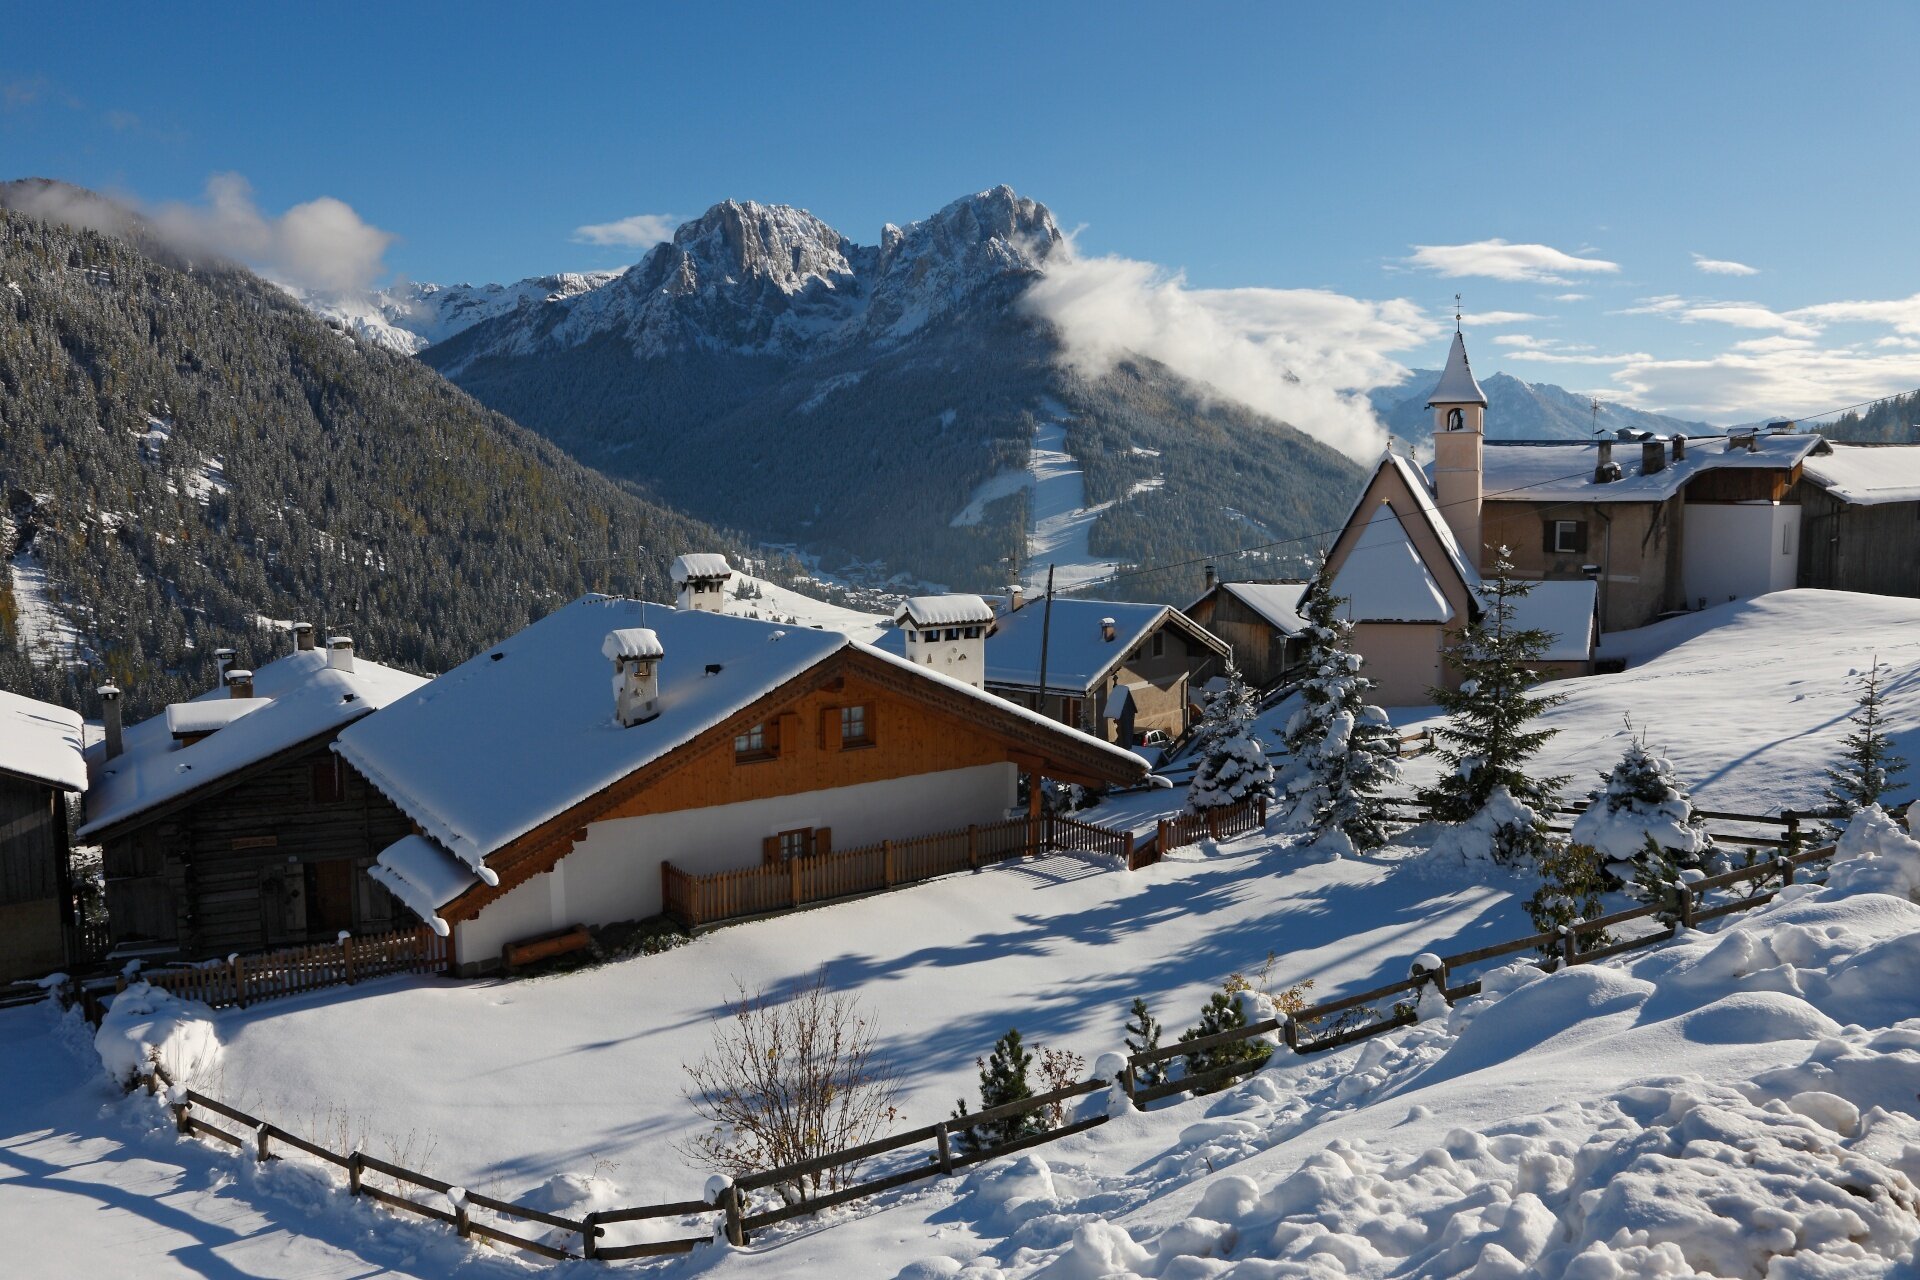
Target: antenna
(1456,313)
(1593,402)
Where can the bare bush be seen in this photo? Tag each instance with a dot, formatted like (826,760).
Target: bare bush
(789,1080)
(1059,1068)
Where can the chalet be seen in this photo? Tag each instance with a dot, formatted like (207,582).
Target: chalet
(1260,620)
(226,823)
(544,798)
(40,767)
(1860,525)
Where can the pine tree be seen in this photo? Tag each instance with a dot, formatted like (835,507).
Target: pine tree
(1222,1012)
(1485,741)
(1340,751)
(1643,805)
(1572,878)
(1657,881)
(1233,765)
(1143,1034)
(1867,767)
(1003,1079)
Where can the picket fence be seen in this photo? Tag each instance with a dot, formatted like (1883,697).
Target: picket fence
(241,980)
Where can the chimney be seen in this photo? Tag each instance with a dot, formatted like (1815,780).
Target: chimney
(635,653)
(1653,456)
(110,714)
(239,682)
(222,659)
(1015,598)
(1211,577)
(1106,630)
(1606,470)
(302,637)
(1679,448)
(340,653)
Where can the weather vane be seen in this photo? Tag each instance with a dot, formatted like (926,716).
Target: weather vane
(1456,313)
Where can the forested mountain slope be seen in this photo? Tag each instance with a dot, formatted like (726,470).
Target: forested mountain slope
(184,450)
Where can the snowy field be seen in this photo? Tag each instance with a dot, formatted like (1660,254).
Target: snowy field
(1706,1107)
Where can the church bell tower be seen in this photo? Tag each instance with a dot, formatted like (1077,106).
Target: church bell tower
(1459,430)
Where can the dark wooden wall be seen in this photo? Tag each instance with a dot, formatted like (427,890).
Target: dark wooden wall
(279,858)
(1849,548)
(33,881)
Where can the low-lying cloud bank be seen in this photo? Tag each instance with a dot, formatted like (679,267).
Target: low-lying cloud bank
(1304,356)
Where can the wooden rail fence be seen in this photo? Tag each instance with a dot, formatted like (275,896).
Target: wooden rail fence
(1188,828)
(241,980)
(1300,1032)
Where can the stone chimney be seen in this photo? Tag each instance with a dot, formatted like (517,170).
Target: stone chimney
(110,716)
(1605,469)
(302,637)
(1679,448)
(1016,596)
(222,659)
(948,634)
(1653,456)
(635,653)
(1107,631)
(701,581)
(239,682)
(340,653)
(1211,577)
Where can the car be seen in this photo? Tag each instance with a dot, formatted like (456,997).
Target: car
(1153,738)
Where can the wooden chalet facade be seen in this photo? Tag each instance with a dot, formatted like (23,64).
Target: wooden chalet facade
(40,768)
(768,744)
(1260,621)
(1860,527)
(271,846)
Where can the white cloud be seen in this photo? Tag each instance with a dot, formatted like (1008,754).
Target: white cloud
(1747,385)
(1301,355)
(1723,266)
(1739,315)
(1570,297)
(321,244)
(1499,260)
(1486,319)
(1899,314)
(641,231)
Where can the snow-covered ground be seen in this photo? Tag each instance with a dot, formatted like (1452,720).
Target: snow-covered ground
(45,633)
(776,603)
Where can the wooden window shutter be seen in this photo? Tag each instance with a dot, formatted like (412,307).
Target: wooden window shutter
(1549,527)
(770,849)
(1580,537)
(823,839)
(829,728)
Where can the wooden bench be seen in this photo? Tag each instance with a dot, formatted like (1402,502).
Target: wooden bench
(544,946)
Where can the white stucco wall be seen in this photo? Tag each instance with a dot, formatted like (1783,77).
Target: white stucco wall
(614,874)
(1739,550)
(961,658)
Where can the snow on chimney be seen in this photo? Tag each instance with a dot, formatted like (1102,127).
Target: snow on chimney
(701,580)
(340,653)
(239,682)
(222,659)
(110,714)
(1679,448)
(1107,631)
(1606,470)
(1016,596)
(635,653)
(949,634)
(302,636)
(1653,456)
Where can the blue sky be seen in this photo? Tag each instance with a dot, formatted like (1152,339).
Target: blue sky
(1266,150)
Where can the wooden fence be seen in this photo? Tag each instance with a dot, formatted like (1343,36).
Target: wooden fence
(1188,828)
(700,900)
(1316,1028)
(242,980)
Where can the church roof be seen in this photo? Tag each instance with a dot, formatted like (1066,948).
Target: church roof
(1457,384)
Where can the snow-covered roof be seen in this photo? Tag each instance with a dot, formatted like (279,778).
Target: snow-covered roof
(1564,608)
(632,642)
(1867,475)
(1078,654)
(184,718)
(426,877)
(1457,384)
(305,699)
(1277,602)
(945,611)
(526,730)
(1384,579)
(1562,471)
(42,742)
(700,564)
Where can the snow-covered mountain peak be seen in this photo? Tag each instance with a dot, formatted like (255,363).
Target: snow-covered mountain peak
(741,240)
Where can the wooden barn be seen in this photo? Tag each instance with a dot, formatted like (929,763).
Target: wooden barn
(228,824)
(40,767)
(1260,621)
(547,796)
(1860,530)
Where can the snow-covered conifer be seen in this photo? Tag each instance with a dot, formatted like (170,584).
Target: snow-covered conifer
(1643,802)
(1233,765)
(1867,765)
(1340,751)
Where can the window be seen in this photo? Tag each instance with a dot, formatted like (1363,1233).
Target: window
(1566,537)
(762,742)
(329,784)
(854,727)
(1159,644)
(973,633)
(1456,419)
(797,843)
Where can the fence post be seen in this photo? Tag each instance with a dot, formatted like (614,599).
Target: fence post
(793,869)
(973,846)
(1290,1032)
(462,1219)
(886,861)
(180,1121)
(346,956)
(354,1170)
(736,1234)
(590,1236)
(1793,832)
(260,1152)
(946,1148)
(1126,851)
(1686,906)
(1160,839)
(237,970)
(1785,867)
(1263,809)
(1569,944)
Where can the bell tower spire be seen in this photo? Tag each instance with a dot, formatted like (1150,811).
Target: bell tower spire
(1459,430)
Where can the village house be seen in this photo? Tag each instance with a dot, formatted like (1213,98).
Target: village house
(561,777)
(226,823)
(1260,620)
(1113,669)
(40,767)
(1860,524)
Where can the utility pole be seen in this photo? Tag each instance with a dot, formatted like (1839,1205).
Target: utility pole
(1046,626)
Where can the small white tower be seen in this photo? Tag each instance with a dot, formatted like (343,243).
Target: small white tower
(635,653)
(1459,430)
(949,634)
(701,579)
